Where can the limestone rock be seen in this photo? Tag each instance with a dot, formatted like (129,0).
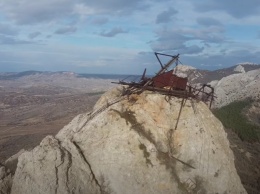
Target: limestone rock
(132,147)
(237,87)
(239,68)
(51,168)
(6,172)
(11,163)
(5,180)
(183,70)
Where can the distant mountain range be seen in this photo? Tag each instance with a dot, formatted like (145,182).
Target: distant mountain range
(231,84)
(17,75)
(206,76)
(195,75)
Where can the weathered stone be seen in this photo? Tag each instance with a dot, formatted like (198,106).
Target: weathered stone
(5,180)
(240,69)
(133,146)
(237,87)
(11,163)
(50,168)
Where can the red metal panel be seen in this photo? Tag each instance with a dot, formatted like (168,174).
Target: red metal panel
(168,79)
(162,80)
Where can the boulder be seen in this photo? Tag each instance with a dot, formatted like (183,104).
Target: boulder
(237,87)
(239,69)
(133,144)
(11,163)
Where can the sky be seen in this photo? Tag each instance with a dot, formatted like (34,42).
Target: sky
(120,36)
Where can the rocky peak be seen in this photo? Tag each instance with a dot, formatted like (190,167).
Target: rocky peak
(184,68)
(133,144)
(237,87)
(239,68)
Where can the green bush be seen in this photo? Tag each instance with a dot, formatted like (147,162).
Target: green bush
(231,117)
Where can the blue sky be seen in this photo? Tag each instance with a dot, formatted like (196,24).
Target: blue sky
(120,36)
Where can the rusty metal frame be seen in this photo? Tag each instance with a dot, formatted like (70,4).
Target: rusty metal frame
(146,83)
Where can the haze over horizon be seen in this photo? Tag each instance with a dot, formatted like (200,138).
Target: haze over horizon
(119,37)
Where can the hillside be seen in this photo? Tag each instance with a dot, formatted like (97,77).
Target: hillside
(241,121)
(36,104)
(205,76)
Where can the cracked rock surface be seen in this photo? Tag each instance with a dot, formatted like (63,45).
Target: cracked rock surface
(237,87)
(133,146)
(5,180)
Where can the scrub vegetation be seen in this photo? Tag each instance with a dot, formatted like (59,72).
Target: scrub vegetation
(231,116)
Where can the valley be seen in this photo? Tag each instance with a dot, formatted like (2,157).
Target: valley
(26,119)
(36,104)
(241,122)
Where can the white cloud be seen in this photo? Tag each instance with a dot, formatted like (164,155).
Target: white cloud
(34,35)
(10,40)
(7,29)
(238,8)
(113,32)
(205,31)
(29,12)
(100,20)
(66,30)
(207,21)
(166,16)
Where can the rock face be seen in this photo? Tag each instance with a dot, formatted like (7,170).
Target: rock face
(5,180)
(132,146)
(239,69)
(11,163)
(184,70)
(237,87)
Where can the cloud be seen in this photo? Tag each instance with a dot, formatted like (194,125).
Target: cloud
(176,41)
(27,12)
(113,32)
(100,20)
(258,35)
(188,40)
(193,49)
(205,21)
(7,30)
(34,12)
(204,32)
(168,39)
(66,30)
(34,35)
(166,16)
(112,7)
(238,8)
(213,61)
(207,35)
(67,57)
(9,40)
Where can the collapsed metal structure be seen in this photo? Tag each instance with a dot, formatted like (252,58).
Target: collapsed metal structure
(168,83)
